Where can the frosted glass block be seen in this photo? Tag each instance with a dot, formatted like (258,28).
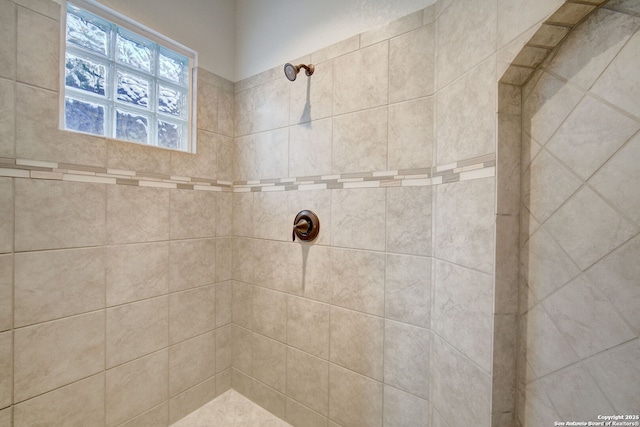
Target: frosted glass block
(171,101)
(173,67)
(84,116)
(133,89)
(87,30)
(85,74)
(134,50)
(171,135)
(132,126)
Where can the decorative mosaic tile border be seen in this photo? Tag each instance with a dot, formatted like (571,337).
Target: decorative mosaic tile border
(476,168)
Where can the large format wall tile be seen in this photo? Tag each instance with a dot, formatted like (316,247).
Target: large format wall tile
(354,400)
(6,369)
(357,280)
(6,292)
(408,289)
(466,36)
(404,409)
(137,214)
(308,380)
(192,214)
(271,364)
(409,214)
(465,115)
(59,214)
(406,358)
(136,272)
(191,362)
(310,148)
(54,284)
(361,79)
(8,119)
(312,98)
(136,329)
(197,266)
(80,403)
(352,212)
(270,313)
(38,49)
(412,64)
(308,326)
(53,354)
(465,223)
(191,313)
(262,108)
(411,128)
(136,386)
(7,39)
(360,141)
(6,215)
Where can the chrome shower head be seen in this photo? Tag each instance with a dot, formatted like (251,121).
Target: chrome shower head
(291,71)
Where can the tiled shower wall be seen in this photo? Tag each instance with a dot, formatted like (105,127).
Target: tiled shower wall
(388,318)
(114,258)
(579,351)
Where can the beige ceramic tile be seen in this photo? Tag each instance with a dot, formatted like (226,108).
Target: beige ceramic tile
(514,17)
(6,369)
(618,180)
(465,223)
(616,372)
(547,185)
(7,121)
(392,29)
(6,292)
(242,260)
(224,348)
(138,157)
(298,414)
(6,215)
(136,272)
(226,111)
(312,97)
(308,380)
(224,300)
(191,362)
(310,148)
(224,214)
(357,342)
(408,289)
(196,266)
(224,261)
(65,350)
(466,36)
(55,284)
(38,136)
(409,216)
(271,154)
(208,95)
(308,326)
(269,362)
(353,211)
(594,130)
(272,219)
(224,156)
(358,280)
(616,275)
(354,400)
(244,158)
(338,49)
(191,313)
(154,417)
(192,399)
(404,409)
(540,331)
(270,313)
(570,13)
(59,214)
(274,266)
(242,349)
(80,403)
(243,215)
(538,410)
(202,164)
(8,25)
(42,7)
(136,329)
(508,165)
(586,318)
(412,64)
(262,108)
(545,265)
(627,6)
(135,387)
(406,358)
(463,311)
(242,304)
(573,391)
(605,32)
(6,416)
(137,214)
(465,115)
(38,49)
(588,228)
(546,107)
(458,388)
(354,89)
(360,141)
(411,134)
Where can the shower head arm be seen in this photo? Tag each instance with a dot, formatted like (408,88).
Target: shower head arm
(308,69)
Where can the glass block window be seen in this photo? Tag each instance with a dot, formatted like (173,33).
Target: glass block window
(124,81)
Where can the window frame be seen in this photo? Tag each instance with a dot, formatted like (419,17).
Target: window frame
(141,30)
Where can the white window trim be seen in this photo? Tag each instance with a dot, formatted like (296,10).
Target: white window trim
(129,24)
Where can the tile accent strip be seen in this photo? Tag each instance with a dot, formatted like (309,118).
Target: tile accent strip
(476,168)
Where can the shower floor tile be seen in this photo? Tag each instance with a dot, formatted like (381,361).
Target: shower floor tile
(231,409)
